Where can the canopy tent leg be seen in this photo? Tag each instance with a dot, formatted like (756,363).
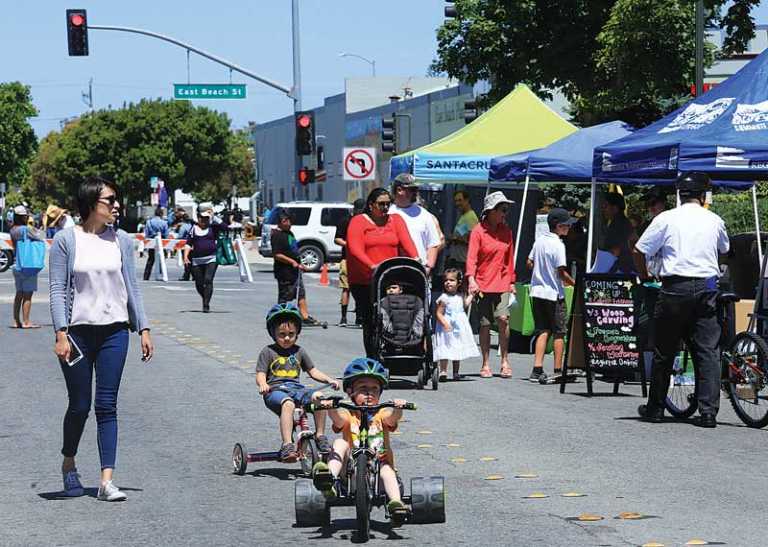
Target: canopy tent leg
(520,220)
(591,230)
(758,239)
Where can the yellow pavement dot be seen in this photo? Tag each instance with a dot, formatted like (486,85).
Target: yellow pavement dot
(526,476)
(589,517)
(452,445)
(536,495)
(423,446)
(424,432)
(697,542)
(494,477)
(653,544)
(573,495)
(458,460)
(488,459)
(629,515)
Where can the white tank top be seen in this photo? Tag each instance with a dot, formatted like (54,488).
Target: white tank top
(100,296)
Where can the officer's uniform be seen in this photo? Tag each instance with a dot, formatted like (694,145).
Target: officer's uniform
(687,240)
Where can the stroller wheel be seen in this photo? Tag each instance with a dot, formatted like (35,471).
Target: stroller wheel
(421,379)
(435,378)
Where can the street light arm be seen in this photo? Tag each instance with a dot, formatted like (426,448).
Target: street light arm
(288,91)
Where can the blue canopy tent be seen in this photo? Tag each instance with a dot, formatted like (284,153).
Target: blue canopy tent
(723,133)
(566,160)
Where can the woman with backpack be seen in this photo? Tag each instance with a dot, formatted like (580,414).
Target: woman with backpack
(200,253)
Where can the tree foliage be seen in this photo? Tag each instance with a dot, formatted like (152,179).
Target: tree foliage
(17,138)
(190,148)
(613,59)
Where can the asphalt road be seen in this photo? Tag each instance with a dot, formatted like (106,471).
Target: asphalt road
(181,414)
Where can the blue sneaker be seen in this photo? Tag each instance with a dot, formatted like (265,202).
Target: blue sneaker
(72,485)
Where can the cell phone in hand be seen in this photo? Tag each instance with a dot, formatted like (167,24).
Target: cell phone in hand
(74,352)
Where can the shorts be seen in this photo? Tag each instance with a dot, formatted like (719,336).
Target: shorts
(294,391)
(286,290)
(343,278)
(549,315)
(491,306)
(25,283)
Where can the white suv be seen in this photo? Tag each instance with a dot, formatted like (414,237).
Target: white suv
(314,225)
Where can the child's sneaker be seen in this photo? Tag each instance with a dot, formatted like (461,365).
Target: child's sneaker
(72,485)
(323,444)
(323,479)
(110,492)
(287,453)
(536,374)
(398,513)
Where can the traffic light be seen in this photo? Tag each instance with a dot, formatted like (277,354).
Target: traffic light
(305,133)
(77,32)
(306,176)
(471,111)
(450,10)
(389,134)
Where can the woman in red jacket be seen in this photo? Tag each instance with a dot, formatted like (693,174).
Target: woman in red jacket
(373,237)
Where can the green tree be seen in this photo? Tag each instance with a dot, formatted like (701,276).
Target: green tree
(628,59)
(41,187)
(17,138)
(190,148)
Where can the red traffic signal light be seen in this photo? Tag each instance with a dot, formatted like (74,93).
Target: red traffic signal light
(305,133)
(306,176)
(77,32)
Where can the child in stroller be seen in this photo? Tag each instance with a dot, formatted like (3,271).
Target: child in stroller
(402,317)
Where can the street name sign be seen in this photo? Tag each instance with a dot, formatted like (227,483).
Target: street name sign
(197,92)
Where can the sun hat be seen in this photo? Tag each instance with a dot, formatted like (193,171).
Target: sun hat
(52,215)
(495,199)
(205,211)
(20,210)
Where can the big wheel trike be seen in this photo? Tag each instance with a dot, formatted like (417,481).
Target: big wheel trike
(359,484)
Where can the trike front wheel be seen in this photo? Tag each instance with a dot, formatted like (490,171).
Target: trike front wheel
(362,498)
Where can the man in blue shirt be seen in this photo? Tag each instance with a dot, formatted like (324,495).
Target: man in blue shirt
(155,225)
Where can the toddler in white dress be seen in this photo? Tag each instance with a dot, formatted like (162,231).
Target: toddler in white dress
(453,340)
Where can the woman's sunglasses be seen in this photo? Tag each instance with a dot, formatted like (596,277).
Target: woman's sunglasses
(109,200)
(383,204)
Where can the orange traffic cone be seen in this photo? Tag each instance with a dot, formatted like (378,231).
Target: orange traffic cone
(324,275)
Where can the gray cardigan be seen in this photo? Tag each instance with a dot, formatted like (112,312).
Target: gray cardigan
(61,266)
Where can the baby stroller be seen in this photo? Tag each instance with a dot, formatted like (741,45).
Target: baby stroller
(402,327)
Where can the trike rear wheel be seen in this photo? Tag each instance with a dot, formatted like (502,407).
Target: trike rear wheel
(308,453)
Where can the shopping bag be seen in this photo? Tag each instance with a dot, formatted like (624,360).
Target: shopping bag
(225,252)
(30,255)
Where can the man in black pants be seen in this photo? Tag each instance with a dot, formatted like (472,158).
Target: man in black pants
(688,240)
(155,225)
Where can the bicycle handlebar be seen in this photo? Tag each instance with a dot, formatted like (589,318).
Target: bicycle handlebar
(339,403)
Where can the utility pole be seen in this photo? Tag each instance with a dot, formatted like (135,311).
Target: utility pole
(296,91)
(699,48)
(88,97)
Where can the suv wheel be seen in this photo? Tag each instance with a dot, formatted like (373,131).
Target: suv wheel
(6,259)
(312,257)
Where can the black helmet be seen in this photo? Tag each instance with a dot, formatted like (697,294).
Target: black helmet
(692,184)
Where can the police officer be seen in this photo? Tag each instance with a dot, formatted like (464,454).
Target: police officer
(688,240)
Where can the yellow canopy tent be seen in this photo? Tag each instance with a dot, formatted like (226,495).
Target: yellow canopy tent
(519,122)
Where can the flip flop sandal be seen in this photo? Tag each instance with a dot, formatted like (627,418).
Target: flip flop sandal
(323,444)
(486,373)
(506,373)
(288,453)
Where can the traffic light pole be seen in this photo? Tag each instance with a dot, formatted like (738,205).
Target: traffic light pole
(297,105)
(288,91)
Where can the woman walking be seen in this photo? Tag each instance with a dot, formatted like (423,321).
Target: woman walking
(491,276)
(200,253)
(95,300)
(26,282)
(373,237)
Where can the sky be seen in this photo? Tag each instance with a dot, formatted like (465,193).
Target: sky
(256,34)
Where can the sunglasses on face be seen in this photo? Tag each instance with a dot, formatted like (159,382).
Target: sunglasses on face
(503,209)
(383,204)
(109,200)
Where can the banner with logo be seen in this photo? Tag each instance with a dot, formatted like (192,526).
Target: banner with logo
(724,133)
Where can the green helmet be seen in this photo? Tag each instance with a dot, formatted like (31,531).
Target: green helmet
(280,313)
(364,367)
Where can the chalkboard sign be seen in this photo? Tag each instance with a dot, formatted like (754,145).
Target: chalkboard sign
(601,334)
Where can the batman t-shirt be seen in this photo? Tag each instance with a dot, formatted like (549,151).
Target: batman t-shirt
(283,365)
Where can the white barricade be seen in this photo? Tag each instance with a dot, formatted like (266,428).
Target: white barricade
(242,261)
(161,270)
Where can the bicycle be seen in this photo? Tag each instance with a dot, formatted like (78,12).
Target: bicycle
(743,362)
(360,486)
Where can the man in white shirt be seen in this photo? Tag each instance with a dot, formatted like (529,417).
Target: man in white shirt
(688,241)
(422,225)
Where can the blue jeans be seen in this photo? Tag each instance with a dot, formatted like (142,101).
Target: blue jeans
(104,350)
(287,390)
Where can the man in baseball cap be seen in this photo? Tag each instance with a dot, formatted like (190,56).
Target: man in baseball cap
(422,225)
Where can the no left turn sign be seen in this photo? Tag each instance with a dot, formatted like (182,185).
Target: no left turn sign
(359,163)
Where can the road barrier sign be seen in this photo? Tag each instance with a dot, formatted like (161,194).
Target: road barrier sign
(209,91)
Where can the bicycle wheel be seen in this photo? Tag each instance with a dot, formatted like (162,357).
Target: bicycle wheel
(681,399)
(308,453)
(362,498)
(745,365)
